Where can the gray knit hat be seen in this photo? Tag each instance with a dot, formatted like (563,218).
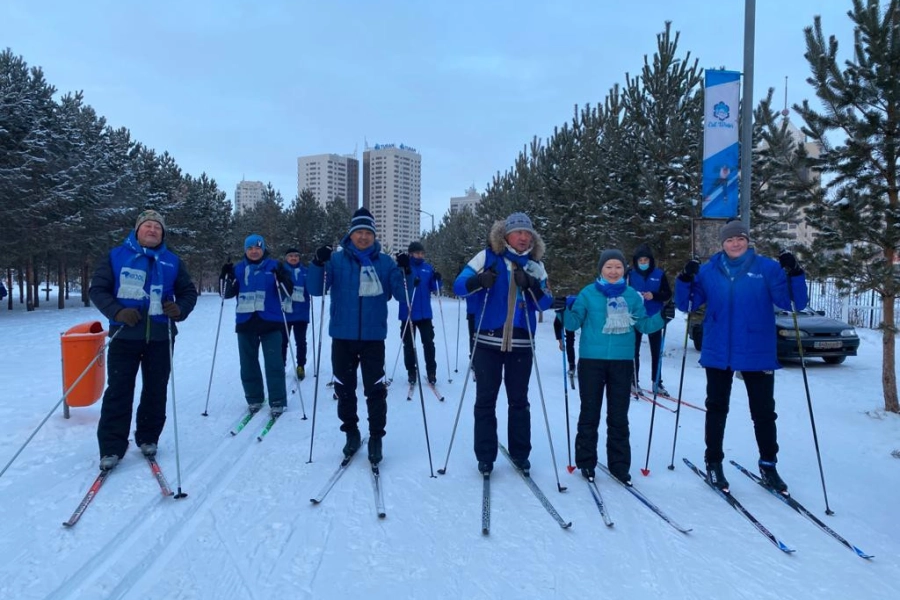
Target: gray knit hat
(150,215)
(518,222)
(733,229)
(608,255)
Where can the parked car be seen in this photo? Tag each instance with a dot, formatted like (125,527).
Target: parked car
(829,339)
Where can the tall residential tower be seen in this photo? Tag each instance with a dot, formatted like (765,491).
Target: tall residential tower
(247,194)
(330,176)
(392,191)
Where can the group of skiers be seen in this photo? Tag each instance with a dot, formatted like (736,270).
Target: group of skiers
(143,288)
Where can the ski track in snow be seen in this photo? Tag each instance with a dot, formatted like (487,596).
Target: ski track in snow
(247,529)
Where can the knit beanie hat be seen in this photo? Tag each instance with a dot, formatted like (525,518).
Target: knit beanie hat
(291,251)
(362,219)
(255,240)
(608,255)
(732,229)
(415,247)
(518,222)
(150,215)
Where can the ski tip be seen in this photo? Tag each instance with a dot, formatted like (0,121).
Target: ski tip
(785,548)
(862,554)
(67,525)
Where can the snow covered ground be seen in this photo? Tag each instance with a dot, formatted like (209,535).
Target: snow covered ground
(248,530)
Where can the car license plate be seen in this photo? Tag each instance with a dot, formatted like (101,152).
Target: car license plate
(828,345)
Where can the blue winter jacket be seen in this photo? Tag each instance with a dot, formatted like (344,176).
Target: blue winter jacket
(298,308)
(355,317)
(739,324)
(255,287)
(588,313)
(496,308)
(654,282)
(421,303)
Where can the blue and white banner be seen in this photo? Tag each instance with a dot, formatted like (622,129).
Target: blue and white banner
(721,155)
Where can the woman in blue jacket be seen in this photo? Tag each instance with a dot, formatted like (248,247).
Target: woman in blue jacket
(362,279)
(739,288)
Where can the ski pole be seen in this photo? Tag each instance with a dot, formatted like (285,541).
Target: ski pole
(687,328)
(444,331)
(456,364)
(215,347)
(569,467)
(312,327)
(662,346)
(812,420)
(443,471)
(537,372)
(312,436)
(406,324)
(180,494)
(287,338)
(418,370)
(61,400)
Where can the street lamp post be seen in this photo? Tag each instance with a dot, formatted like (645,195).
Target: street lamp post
(425,212)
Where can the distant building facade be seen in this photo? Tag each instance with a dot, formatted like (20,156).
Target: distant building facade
(470,201)
(330,176)
(392,191)
(247,195)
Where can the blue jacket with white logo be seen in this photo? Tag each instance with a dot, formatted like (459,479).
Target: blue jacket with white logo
(739,324)
(355,317)
(298,309)
(421,301)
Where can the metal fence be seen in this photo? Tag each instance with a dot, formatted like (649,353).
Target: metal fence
(858,308)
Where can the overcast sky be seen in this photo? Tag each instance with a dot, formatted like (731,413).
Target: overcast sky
(240,89)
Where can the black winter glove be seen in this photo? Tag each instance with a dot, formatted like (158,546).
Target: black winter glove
(486,279)
(171,310)
(129,316)
(690,270)
(227,271)
(416,282)
(789,263)
(438,280)
(559,303)
(668,312)
(323,255)
(403,262)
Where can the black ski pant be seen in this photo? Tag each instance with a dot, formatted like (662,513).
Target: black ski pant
(425,328)
(761,393)
(122,362)
(299,331)
(655,340)
(613,376)
(493,367)
(368,356)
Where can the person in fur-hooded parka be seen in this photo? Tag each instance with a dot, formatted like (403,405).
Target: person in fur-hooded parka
(510,284)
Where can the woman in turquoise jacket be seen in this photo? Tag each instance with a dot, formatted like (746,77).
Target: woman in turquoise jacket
(607,312)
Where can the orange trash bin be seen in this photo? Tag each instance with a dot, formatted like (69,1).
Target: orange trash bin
(83,352)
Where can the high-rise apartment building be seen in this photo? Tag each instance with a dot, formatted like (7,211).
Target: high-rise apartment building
(470,201)
(392,191)
(247,194)
(330,176)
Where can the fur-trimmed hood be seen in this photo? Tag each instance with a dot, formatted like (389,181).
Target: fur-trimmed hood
(498,242)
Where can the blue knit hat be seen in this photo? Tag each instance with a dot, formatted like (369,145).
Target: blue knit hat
(362,219)
(255,240)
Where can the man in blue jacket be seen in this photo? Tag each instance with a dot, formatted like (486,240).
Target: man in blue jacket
(296,311)
(511,285)
(361,279)
(140,287)
(422,280)
(739,288)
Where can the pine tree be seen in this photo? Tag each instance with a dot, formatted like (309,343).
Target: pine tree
(859,215)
